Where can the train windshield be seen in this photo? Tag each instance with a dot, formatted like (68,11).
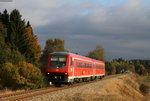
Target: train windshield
(58,62)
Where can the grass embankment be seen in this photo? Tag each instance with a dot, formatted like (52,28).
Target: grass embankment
(145,86)
(122,88)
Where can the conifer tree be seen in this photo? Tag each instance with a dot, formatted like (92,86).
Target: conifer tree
(28,24)
(0,17)
(23,39)
(6,53)
(3,33)
(5,18)
(18,44)
(17,32)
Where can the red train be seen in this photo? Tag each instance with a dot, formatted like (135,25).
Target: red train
(66,68)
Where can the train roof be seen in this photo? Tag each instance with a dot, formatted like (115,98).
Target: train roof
(66,53)
(60,53)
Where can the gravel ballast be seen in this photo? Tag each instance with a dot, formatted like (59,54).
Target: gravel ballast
(71,93)
(114,89)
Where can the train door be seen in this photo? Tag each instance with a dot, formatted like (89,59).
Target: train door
(94,69)
(72,67)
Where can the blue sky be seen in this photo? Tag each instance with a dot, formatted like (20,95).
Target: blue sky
(122,27)
(110,2)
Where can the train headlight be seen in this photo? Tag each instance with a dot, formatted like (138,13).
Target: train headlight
(65,73)
(48,73)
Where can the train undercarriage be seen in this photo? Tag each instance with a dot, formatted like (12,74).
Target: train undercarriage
(59,79)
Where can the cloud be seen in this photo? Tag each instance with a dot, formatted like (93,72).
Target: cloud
(122,28)
(36,11)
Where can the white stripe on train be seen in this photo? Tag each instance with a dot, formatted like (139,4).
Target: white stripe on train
(72,77)
(86,60)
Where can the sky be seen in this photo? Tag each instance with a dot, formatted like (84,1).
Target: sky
(122,27)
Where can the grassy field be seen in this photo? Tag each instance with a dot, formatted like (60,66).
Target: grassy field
(145,86)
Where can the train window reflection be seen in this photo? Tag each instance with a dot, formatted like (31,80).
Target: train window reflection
(58,62)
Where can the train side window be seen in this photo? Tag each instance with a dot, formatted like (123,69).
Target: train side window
(72,62)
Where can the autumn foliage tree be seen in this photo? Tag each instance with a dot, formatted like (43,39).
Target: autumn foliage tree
(22,75)
(19,53)
(132,68)
(97,53)
(34,50)
(56,45)
(141,70)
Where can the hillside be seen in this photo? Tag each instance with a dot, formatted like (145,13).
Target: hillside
(118,88)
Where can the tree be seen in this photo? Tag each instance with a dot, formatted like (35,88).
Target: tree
(18,49)
(56,45)
(6,53)
(21,75)
(16,33)
(113,69)
(33,52)
(97,54)
(52,45)
(132,68)
(22,38)
(108,68)
(118,66)
(28,24)
(3,33)
(142,70)
(5,18)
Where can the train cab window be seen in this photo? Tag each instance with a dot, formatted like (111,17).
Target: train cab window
(57,62)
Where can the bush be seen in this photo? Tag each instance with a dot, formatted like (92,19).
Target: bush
(33,75)
(144,88)
(23,75)
(9,75)
(8,55)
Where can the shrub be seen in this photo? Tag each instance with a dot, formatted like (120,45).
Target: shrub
(22,75)
(144,88)
(8,55)
(9,75)
(33,75)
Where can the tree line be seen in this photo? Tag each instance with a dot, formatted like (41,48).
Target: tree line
(22,61)
(19,53)
(118,66)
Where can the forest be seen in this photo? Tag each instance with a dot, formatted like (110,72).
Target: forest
(22,60)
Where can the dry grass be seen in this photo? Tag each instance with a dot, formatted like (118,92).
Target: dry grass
(145,86)
(94,97)
(122,89)
(9,91)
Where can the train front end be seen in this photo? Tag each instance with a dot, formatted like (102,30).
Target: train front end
(57,68)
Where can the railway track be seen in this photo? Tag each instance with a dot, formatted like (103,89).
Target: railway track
(31,93)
